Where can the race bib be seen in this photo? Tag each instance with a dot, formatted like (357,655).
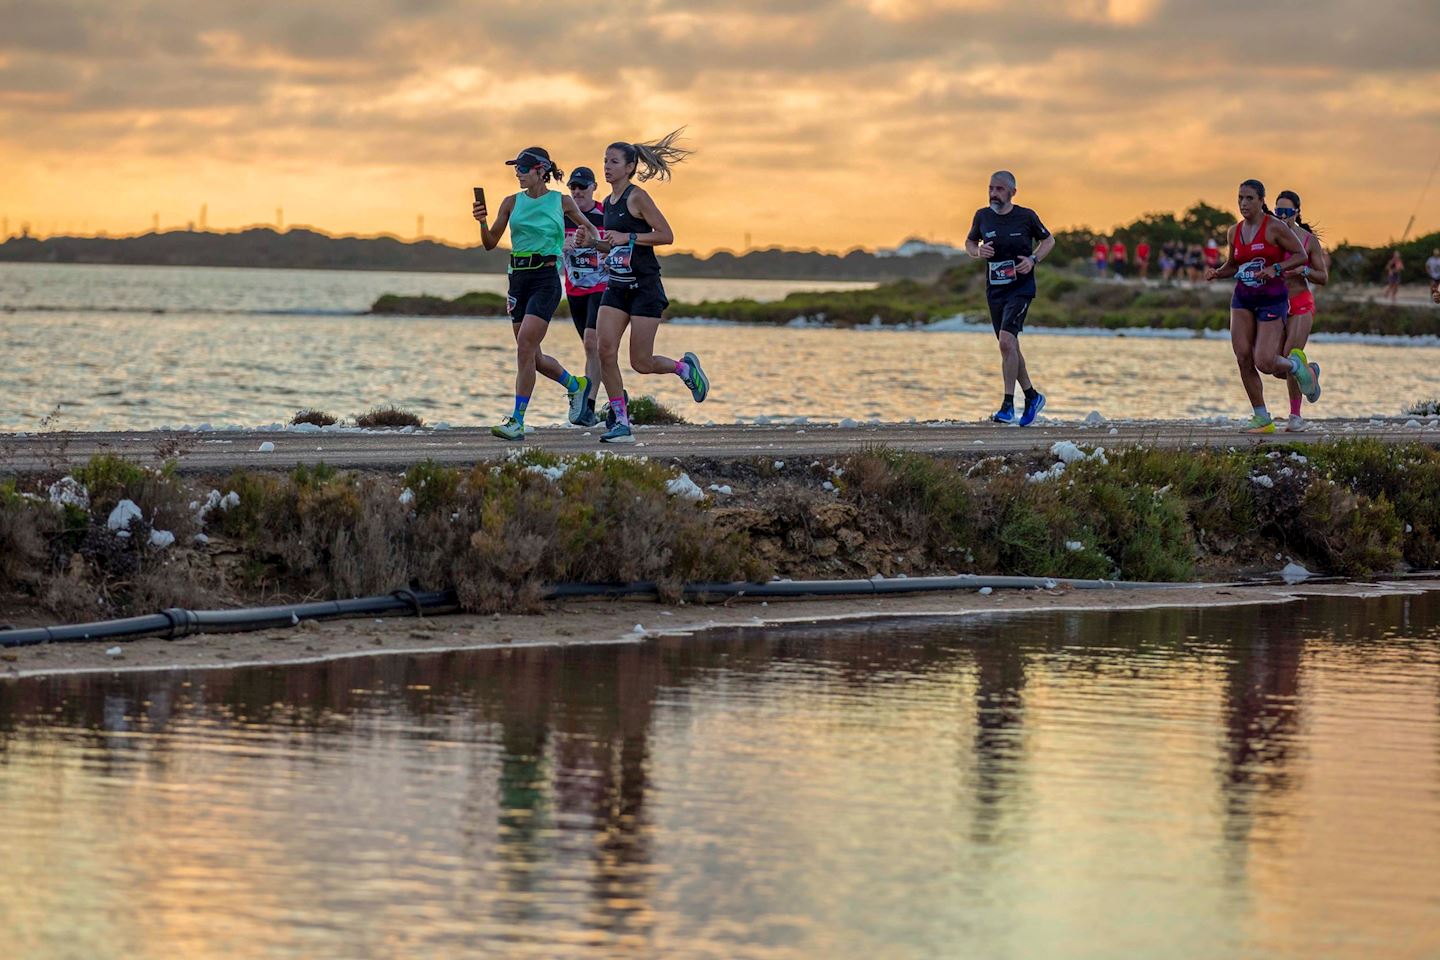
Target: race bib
(1249,273)
(618,263)
(584,268)
(1002,272)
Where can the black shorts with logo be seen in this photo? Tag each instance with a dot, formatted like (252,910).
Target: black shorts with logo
(584,309)
(1007,314)
(534,292)
(645,299)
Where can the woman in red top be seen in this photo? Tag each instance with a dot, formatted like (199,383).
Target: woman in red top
(1142,258)
(1118,259)
(1102,250)
(1262,248)
(1302,299)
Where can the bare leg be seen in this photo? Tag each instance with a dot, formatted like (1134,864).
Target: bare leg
(609,329)
(1269,338)
(1242,341)
(643,358)
(592,362)
(1297,334)
(1012,363)
(528,358)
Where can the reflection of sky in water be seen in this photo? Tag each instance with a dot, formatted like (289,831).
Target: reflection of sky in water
(1187,783)
(140,369)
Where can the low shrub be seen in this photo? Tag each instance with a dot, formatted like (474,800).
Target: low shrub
(647,411)
(317,417)
(389,416)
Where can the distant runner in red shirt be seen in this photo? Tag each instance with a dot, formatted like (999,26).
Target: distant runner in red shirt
(1102,249)
(1142,258)
(1212,253)
(1118,259)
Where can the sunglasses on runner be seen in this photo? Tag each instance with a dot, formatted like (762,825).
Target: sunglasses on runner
(1285,213)
(525,167)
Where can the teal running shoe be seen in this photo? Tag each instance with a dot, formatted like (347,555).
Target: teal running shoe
(1032,409)
(1304,375)
(698,383)
(620,433)
(509,429)
(578,398)
(1313,397)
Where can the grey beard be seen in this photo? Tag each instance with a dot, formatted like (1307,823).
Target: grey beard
(996,205)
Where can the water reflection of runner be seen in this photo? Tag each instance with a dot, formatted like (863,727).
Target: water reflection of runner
(1005,235)
(1262,248)
(1316,269)
(536,217)
(585,284)
(634,296)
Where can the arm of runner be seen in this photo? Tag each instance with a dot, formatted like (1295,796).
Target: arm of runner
(660,232)
(973,246)
(1230,267)
(584,234)
(1041,252)
(1319,265)
(490,236)
(1283,237)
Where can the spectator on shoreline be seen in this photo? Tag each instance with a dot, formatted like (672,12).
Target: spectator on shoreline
(1102,249)
(1142,258)
(1432,268)
(1195,263)
(1393,270)
(1119,258)
(1212,253)
(1168,261)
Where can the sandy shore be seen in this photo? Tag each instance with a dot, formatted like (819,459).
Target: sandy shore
(590,622)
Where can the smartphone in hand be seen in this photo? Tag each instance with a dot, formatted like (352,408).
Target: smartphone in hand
(480,196)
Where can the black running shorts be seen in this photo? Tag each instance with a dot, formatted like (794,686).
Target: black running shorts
(584,308)
(1007,314)
(533,292)
(645,299)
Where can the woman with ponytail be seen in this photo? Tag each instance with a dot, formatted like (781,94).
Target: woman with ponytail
(1316,269)
(1262,248)
(634,296)
(536,217)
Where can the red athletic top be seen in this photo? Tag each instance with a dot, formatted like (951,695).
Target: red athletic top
(1254,255)
(1100,251)
(1117,252)
(1212,256)
(1142,251)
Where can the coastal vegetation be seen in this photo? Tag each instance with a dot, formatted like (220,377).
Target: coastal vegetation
(499,532)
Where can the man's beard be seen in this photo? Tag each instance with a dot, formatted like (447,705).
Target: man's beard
(997,205)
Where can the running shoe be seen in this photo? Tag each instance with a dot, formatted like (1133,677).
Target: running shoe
(578,398)
(588,418)
(698,383)
(1314,397)
(1261,423)
(509,429)
(1003,415)
(1032,409)
(1304,376)
(620,433)
(610,419)
(1296,424)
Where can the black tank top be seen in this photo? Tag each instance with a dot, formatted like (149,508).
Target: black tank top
(628,264)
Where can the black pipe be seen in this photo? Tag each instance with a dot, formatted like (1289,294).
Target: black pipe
(176,622)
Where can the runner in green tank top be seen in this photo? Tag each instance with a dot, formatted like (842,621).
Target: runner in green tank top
(536,218)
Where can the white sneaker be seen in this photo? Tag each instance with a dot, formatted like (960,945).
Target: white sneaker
(1296,424)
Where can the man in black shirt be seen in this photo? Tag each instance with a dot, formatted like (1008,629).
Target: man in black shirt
(1004,235)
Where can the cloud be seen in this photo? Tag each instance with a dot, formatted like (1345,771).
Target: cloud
(1122,104)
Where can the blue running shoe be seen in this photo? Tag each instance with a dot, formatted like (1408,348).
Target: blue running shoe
(620,433)
(1032,409)
(698,383)
(1003,415)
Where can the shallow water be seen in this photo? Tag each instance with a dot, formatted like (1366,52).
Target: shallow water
(1253,781)
(251,347)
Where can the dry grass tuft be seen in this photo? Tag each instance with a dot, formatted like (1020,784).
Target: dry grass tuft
(390,416)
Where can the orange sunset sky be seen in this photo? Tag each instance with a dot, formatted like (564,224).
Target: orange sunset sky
(819,123)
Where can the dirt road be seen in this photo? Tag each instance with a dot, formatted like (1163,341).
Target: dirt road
(223,450)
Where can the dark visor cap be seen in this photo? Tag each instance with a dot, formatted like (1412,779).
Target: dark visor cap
(533,156)
(584,176)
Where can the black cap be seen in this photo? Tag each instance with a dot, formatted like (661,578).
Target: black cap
(533,155)
(583,176)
